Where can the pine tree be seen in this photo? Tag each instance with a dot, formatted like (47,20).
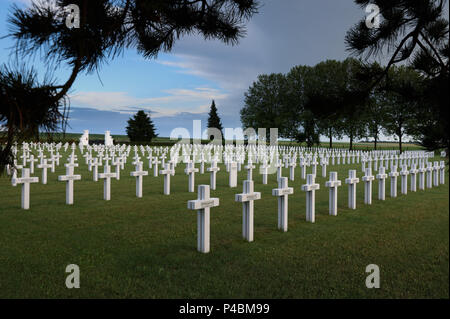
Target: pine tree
(141,128)
(214,120)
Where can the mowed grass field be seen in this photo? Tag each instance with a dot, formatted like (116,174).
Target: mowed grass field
(146,248)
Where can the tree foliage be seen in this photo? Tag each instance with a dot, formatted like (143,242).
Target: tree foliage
(26,107)
(214,121)
(327,99)
(401,100)
(265,103)
(141,128)
(416,33)
(107,28)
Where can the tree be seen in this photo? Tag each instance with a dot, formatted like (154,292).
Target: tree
(415,32)
(401,100)
(214,122)
(324,98)
(26,106)
(265,105)
(355,98)
(107,28)
(375,118)
(307,102)
(302,123)
(141,128)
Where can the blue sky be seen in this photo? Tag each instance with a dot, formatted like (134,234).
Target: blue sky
(178,87)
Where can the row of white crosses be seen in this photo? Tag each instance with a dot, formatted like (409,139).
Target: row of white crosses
(204,202)
(289,158)
(190,170)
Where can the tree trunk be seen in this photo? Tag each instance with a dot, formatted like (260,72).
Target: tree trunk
(376,140)
(400,142)
(351,142)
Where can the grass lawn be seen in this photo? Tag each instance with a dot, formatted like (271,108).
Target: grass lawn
(146,248)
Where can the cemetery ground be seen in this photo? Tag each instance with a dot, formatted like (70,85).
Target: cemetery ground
(166,141)
(132,247)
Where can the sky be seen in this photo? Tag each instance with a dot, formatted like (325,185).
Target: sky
(178,87)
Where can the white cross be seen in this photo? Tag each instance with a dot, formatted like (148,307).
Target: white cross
(107,159)
(44,167)
(117,163)
(279,167)
(436,174)
(310,188)
(57,157)
(24,158)
(393,175)
(247,198)
(352,180)
(263,169)
(282,192)
(69,178)
(324,167)
(167,172)
(156,162)
(163,160)
(25,180)
(136,159)
(95,163)
(333,184)
(381,177)
(413,173)
(303,168)
(232,180)
(292,166)
(422,171)
(249,167)
(442,173)
(52,159)
(32,160)
(173,164)
(314,166)
(213,169)
(191,170)
(404,179)
(368,179)
(106,176)
(139,174)
(203,205)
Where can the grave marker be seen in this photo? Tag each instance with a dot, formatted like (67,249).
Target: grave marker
(333,184)
(203,205)
(352,180)
(310,188)
(25,180)
(282,192)
(368,179)
(247,199)
(139,174)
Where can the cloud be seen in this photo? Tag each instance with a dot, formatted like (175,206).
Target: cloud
(194,101)
(283,34)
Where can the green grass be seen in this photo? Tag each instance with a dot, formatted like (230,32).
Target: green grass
(146,248)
